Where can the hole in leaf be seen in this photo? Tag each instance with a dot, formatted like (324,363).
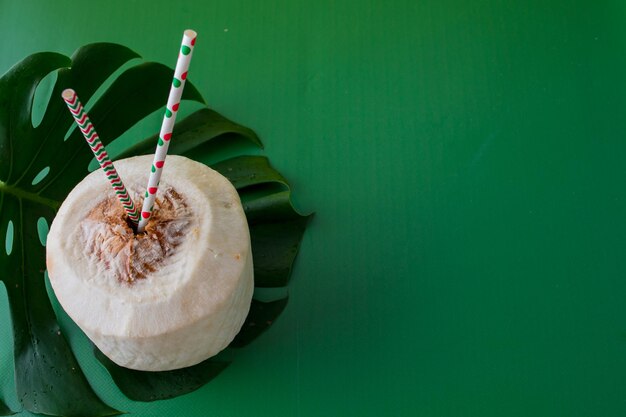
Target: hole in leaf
(93,165)
(42,174)
(69,132)
(8,242)
(98,93)
(42,230)
(144,128)
(267,295)
(223,147)
(42,98)
(106,84)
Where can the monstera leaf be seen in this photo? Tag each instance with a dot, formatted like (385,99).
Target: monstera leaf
(40,165)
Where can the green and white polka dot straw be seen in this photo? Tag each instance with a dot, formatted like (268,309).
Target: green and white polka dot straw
(173,102)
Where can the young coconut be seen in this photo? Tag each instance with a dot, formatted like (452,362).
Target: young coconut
(167,298)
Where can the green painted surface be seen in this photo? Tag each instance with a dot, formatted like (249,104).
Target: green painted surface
(466,161)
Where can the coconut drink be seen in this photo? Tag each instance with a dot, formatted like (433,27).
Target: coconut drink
(169,297)
(160,288)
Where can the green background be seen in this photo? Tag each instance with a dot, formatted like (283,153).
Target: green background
(466,163)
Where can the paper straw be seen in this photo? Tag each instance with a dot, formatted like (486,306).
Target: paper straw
(173,102)
(85,125)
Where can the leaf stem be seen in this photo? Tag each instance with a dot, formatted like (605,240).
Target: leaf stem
(25,195)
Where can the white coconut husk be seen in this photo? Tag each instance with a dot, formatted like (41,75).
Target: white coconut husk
(165,300)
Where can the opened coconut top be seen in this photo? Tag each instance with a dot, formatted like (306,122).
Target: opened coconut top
(187,280)
(108,239)
(186,265)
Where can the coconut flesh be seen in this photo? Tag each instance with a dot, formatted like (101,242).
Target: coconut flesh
(164,299)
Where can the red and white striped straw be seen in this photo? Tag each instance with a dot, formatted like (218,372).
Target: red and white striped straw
(85,125)
(173,102)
